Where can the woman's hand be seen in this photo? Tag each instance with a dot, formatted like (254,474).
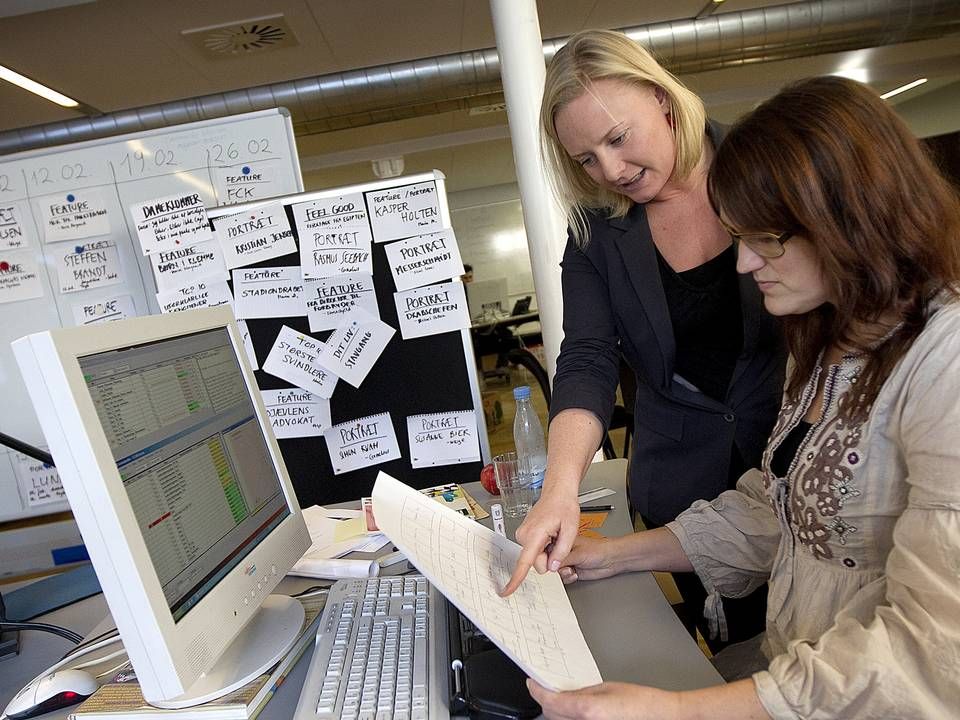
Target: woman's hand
(589,559)
(613,701)
(547,534)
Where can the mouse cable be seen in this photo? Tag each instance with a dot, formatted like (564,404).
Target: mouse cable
(45,627)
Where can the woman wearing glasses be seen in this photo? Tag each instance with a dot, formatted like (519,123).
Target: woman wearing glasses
(854,515)
(648,273)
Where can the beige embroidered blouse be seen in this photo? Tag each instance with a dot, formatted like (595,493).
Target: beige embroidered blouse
(860,543)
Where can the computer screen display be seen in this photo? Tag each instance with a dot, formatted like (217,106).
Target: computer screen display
(191,455)
(180,492)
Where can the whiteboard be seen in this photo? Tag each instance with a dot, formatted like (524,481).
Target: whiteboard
(230,160)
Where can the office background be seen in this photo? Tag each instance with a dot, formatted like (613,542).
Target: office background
(383,87)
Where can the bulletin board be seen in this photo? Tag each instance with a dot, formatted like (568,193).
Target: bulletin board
(423,375)
(69,253)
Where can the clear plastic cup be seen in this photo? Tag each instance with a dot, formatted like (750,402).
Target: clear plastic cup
(515,493)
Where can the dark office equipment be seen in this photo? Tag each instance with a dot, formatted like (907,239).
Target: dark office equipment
(28,450)
(522,306)
(527,359)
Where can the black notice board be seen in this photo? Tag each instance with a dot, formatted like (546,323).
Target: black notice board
(429,374)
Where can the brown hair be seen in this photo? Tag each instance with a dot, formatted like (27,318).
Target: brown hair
(827,159)
(593,55)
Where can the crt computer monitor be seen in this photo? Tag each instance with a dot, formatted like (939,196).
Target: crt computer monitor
(176,482)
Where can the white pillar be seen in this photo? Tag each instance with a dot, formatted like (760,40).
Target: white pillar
(522,69)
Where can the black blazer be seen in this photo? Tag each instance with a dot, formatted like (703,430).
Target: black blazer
(613,303)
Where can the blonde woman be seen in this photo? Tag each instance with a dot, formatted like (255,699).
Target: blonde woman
(648,273)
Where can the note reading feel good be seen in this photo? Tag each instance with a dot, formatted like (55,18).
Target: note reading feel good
(293,358)
(355,345)
(445,438)
(360,443)
(334,236)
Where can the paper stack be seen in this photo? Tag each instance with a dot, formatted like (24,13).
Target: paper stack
(335,533)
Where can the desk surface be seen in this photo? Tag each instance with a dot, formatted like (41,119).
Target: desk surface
(505,321)
(632,631)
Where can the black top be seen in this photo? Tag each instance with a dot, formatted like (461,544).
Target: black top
(615,303)
(787,449)
(704,305)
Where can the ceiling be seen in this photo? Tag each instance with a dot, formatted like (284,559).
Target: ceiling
(119,54)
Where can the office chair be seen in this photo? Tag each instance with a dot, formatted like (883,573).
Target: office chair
(525,358)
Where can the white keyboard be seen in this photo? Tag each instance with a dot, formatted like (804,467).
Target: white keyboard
(372,655)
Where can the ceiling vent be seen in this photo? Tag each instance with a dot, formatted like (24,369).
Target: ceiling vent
(242,38)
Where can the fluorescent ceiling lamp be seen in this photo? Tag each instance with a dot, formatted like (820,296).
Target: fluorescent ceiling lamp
(904,88)
(36,88)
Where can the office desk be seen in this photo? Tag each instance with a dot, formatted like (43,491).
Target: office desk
(632,631)
(484,325)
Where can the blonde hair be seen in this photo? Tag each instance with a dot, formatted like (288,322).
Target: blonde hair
(593,55)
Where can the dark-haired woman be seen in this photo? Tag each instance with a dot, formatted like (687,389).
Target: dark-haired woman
(854,515)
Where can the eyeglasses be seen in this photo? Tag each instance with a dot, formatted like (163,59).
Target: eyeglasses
(764,244)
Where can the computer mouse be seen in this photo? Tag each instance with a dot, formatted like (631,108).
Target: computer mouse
(58,689)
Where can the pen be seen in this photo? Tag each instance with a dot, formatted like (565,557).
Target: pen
(596,508)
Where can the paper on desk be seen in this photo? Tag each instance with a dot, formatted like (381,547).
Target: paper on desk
(469,563)
(331,537)
(334,568)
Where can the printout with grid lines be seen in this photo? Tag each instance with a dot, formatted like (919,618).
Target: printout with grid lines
(469,563)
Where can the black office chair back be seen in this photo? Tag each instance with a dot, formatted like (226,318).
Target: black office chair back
(525,358)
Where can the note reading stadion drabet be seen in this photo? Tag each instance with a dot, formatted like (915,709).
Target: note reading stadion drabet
(469,563)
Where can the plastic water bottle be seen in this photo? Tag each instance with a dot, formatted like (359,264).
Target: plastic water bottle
(528,438)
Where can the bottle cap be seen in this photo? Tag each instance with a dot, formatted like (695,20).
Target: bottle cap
(521,393)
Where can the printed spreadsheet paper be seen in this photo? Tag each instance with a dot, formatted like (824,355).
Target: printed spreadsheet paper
(469,563)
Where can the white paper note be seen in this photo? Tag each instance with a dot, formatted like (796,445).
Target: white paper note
(293,358)
(39,483)
(184,265)
(19,276)
(248,344)
(268,292)
(296,413)
(403,212)
(334,236)
(424,259)
(445,438)
(469,564)
(104,310)
(432,310)
(361,443)
(243,183)
(201,294)
(255,235)
(13,231)
(169,222)
(74,215)
(93,264)
(353,348)
(329,299)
